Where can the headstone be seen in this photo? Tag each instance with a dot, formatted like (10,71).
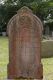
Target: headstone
(25,31)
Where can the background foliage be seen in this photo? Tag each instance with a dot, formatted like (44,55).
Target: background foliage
(42,8)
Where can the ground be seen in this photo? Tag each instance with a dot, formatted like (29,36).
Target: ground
(47,46)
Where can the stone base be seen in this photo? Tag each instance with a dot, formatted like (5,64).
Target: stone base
(13,74)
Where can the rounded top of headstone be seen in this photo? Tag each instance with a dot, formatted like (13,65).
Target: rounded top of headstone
(24,9)
(25,15)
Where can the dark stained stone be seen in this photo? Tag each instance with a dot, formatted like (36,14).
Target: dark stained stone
(25,32)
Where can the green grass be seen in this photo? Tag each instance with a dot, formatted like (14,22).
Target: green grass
(3,56)
(48,68)
(47,62)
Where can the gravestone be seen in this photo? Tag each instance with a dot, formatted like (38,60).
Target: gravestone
(24,32)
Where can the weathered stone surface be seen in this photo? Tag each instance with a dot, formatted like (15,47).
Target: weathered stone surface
(25,31)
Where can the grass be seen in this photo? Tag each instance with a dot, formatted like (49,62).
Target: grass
(3,56)
(47,62)
(48,68)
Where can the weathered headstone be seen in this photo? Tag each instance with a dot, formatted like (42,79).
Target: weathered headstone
(25,31)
